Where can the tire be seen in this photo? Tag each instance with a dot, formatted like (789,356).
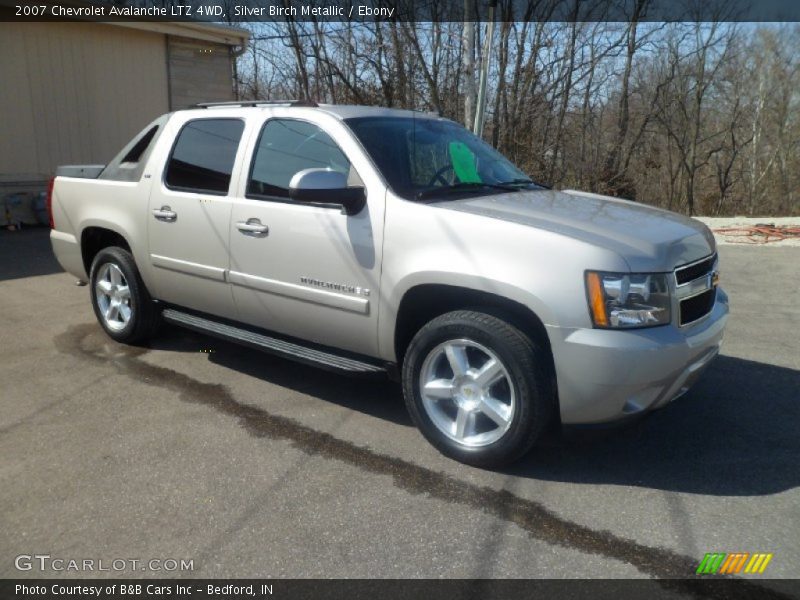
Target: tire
(120,300)
(482,413)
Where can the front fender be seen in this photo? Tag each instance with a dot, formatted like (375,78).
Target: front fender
(391,303)
(538,269)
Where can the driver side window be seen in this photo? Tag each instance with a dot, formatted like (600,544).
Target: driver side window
(287,146)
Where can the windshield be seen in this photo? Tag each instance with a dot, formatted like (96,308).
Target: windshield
(432,158)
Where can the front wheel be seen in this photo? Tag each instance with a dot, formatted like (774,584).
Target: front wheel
(478,388)
(121,303)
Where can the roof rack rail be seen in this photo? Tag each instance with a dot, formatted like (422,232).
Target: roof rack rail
(244,103)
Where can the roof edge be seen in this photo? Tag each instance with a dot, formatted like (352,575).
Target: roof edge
(209,32)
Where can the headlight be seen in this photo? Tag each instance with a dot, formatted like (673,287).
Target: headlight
(620,300)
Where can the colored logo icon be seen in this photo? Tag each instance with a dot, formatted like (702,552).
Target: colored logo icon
(721,563)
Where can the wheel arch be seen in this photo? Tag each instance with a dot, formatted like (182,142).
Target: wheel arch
(424,302)
(96,237)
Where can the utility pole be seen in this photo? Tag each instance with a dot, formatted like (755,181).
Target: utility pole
(480,113)
(468,49)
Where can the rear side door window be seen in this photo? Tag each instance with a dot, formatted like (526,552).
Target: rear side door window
(287,146)
(203,156)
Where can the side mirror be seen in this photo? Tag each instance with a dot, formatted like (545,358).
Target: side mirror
(325,186)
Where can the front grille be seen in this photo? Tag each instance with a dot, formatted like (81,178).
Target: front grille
(696,289)
(692,272)
(698,306)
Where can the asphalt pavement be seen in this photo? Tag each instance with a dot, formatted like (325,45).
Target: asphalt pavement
(253,466)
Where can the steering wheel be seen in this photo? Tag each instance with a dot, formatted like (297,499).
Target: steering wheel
(438,177)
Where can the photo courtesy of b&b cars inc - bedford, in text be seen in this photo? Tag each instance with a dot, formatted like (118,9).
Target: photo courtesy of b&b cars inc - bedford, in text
(346,299)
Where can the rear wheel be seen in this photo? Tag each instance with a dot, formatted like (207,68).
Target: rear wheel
(121,303)
(478,388)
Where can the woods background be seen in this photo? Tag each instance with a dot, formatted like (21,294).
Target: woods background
(696,117)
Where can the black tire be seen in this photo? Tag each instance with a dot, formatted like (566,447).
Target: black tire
(527,368)
(143,319)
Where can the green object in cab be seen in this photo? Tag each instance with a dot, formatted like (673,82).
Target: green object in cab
(464,163)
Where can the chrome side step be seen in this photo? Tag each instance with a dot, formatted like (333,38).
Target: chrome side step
(265,343)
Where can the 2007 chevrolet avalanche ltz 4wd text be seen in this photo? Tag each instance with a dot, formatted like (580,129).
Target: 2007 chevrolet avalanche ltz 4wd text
(374,241)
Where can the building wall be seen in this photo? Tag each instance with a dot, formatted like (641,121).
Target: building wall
(74,93)
(198,72)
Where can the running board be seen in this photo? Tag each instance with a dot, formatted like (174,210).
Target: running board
(265,343)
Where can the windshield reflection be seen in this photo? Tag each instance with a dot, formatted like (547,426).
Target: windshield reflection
(433,159)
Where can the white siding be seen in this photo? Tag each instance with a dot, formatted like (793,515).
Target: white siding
(73,93)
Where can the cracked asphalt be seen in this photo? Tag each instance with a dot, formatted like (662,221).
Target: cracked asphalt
(253,466)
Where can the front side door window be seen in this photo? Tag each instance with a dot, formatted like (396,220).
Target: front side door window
(286,147)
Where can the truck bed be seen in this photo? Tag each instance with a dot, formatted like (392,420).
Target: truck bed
(80,171)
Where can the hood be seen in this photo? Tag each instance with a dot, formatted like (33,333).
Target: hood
(649,239)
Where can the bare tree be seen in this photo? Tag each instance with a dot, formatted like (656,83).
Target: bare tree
(700,117)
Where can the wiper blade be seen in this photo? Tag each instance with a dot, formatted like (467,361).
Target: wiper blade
(522,181)
(463,186)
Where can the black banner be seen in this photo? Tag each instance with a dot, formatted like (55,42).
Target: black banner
(365,11)
(388,589)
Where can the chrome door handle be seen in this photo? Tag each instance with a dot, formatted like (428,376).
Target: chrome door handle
(165,213)
(253,226)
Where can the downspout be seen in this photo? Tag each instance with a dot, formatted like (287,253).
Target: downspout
(235,52)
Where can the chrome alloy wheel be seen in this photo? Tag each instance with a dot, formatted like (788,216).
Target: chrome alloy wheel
(113,297)
(467,392)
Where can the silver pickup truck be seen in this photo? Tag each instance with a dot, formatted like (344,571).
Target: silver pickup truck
(373,241)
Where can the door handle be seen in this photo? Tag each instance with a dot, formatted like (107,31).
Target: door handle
(253,226)
(165,213)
